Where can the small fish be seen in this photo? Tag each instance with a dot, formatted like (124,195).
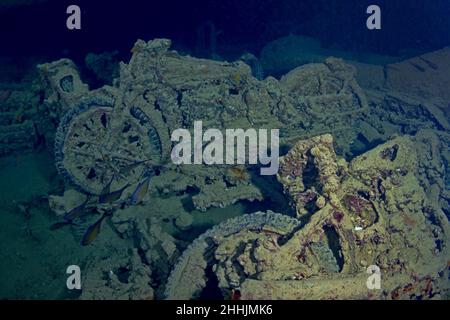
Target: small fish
(60,224)
(140,192)
(92,231)
(77,211)
(126,170)
(107,188)
(113,196)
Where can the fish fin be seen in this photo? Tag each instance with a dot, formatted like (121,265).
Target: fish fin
(56,226)
(79,229)
(93,231)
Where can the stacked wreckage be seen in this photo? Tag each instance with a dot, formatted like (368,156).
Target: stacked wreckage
(386,207)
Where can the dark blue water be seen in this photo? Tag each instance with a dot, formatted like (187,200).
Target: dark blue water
(115,25)
(35,33)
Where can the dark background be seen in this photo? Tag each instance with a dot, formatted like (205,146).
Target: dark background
(40,29)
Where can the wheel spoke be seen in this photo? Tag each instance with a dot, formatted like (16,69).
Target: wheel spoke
(99,144)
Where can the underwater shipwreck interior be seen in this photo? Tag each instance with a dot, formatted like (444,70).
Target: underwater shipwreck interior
(89,103)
